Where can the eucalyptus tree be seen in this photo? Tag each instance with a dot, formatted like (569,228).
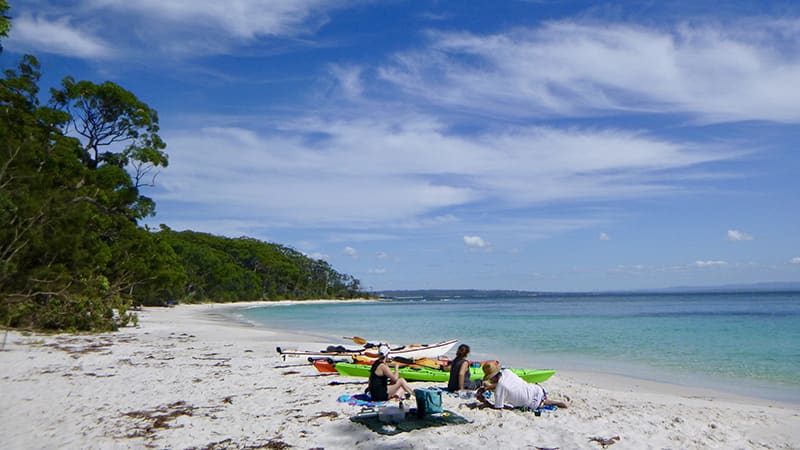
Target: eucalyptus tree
(118,132)
(71,253)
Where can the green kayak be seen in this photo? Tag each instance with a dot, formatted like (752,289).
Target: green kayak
(436,375)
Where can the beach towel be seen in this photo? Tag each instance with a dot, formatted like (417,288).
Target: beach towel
(360,400)
(538,411)
(412,422)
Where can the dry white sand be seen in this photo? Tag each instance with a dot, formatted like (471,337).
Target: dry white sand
(184,379)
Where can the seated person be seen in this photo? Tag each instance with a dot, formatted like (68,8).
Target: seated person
(459,372)
(383,383)
(511,391)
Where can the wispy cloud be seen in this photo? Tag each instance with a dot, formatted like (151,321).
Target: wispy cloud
(604,237)
(736,235)
(408,167)
(795,260)
(33,34)
(172,28)
(709,263)
(240,18)
(717,73)
(350,251)
(349,79)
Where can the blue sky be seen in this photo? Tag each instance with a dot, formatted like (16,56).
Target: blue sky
(537,145)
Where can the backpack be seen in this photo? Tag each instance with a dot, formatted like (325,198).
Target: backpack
(428,401)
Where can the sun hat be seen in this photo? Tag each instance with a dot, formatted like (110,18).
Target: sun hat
(490,369)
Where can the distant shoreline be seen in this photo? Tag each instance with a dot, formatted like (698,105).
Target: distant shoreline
(480,293)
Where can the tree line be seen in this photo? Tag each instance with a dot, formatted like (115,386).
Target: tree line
(72,253)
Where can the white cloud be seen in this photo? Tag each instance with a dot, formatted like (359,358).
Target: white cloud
(604,237)
(795,260)
(350,251)
(240,18)
(719,73)
(388,170)
(382,255)
(377,271)
(62,37)
(477,243)
(735,235)
(146,28)
(709,263)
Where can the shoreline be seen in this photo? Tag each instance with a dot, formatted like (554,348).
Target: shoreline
(186,379)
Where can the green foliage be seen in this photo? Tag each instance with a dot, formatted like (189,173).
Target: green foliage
(117,132)
(226,269)
(5,21)
(71,254)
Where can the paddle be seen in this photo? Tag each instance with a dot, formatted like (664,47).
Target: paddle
(409,361)
(356,339)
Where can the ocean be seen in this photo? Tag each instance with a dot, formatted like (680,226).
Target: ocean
(743,343)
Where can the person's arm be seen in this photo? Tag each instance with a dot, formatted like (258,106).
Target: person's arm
(479,393)
(388,372)
(486,402)
(480,397)
(499,394)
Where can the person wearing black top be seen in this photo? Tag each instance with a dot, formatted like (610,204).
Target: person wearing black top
(383,383)
(459,372)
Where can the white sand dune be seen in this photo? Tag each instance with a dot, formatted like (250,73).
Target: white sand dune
(183,379)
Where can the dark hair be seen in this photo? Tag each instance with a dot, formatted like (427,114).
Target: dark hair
(463,351)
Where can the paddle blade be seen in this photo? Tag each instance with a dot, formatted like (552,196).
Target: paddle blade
(357,340)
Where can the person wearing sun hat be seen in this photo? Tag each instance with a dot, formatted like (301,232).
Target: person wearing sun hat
(383,383)
(511,391)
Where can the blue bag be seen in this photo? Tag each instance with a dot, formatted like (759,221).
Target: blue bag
(429,401)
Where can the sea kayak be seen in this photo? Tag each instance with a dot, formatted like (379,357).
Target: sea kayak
(428,374)
(411,351)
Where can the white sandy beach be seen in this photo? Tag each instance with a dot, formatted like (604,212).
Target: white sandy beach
(185,379)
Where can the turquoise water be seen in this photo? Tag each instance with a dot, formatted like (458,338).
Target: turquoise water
(746,343)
